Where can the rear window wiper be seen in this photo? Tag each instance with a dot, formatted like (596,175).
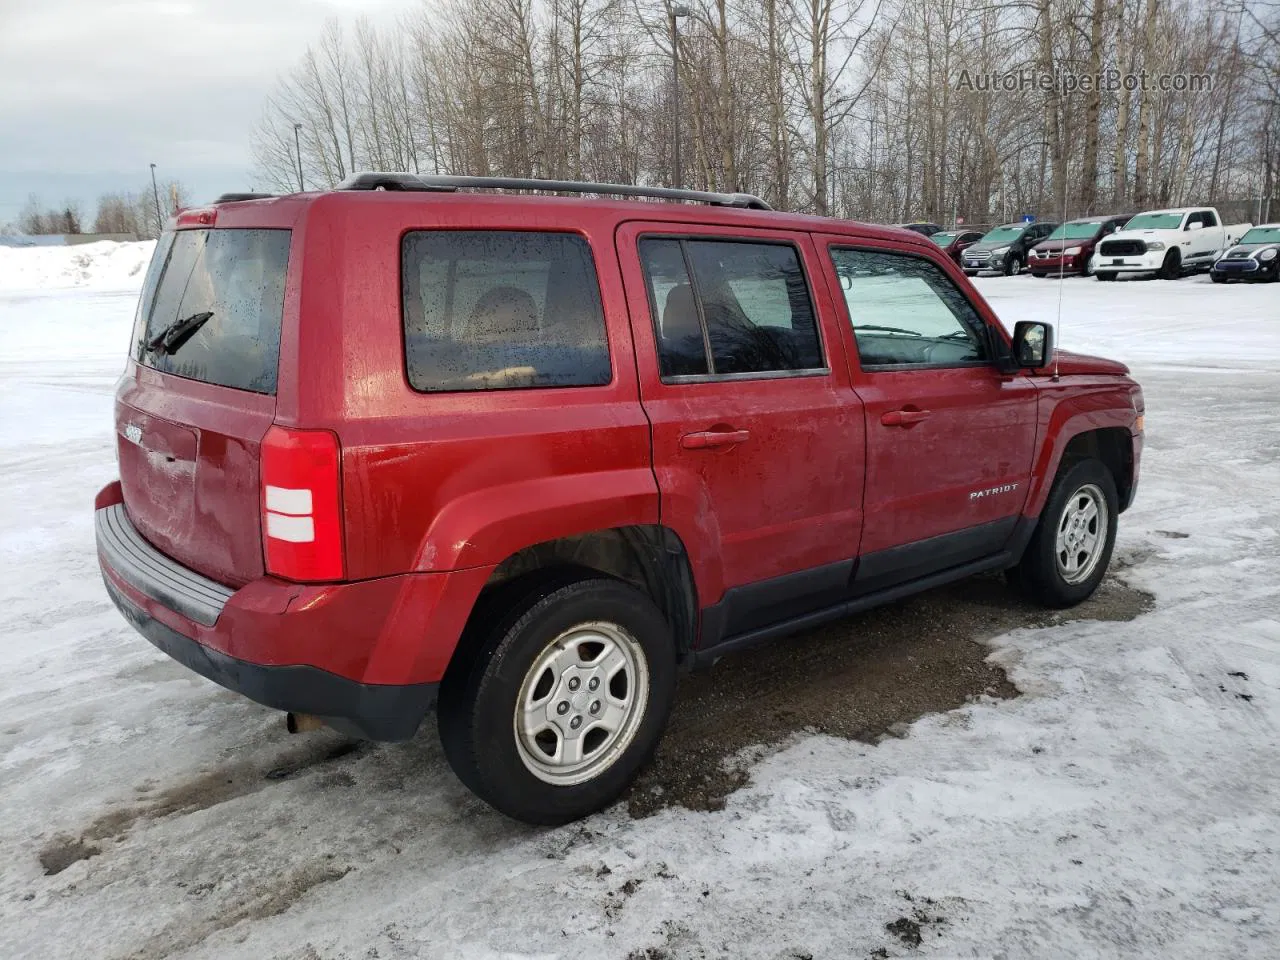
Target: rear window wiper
(171,338)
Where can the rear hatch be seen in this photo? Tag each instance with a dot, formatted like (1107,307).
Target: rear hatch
(191,415)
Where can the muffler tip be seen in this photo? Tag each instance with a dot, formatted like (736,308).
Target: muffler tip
(302,722)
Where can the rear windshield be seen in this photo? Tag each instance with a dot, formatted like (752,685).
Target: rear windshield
(501,310)
(237,278)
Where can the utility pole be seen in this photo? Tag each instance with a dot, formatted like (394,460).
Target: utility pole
(297,146)
(156,193)
(674,11)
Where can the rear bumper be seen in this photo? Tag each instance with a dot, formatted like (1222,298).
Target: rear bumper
(367,656)
(374,711)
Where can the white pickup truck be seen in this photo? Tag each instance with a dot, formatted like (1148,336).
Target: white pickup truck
(1167,242)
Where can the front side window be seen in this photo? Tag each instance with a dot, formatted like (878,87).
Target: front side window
(215,313)
(725,307)
(905,311)
(501,310)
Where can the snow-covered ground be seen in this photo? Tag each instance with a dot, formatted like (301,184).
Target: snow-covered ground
(1124,806)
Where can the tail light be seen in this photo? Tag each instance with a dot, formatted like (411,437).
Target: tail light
(301,504)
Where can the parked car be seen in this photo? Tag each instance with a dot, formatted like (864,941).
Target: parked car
(955,242)
(1168,243)
(525,457)
(1069,248)
(1255,257)
(922,228)
(1004,249)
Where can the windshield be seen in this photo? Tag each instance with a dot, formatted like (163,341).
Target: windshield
(1262,235)
(943,238)
(237,278)
(1003,233)
(1155,221)
(1076,231)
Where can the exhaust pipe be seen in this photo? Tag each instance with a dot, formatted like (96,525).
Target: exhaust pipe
(302,722)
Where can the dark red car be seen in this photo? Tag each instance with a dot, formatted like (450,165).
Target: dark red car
(522,458)
(955,242)
(1070,246)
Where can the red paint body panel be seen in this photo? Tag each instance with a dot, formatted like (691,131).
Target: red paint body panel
(437,490)
(787,498)
(371,631)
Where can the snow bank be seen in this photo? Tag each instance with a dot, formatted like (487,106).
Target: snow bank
(107,265)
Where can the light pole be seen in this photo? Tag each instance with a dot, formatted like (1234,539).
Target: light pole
(297,146)
(155,191)
(674,11)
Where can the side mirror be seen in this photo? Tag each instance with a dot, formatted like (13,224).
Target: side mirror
(1032,344)
(1195,225)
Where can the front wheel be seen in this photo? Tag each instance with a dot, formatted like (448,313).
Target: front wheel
(1171,269)
(1071,548)
(1105,274)
(563,703)
(1013,266)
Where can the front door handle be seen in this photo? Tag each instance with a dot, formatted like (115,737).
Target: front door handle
(709,439)
(904,418)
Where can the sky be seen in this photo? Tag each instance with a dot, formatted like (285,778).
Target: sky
(93,91)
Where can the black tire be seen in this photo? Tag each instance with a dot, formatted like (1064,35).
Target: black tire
(1105,274)
(1039,574)
(1217,278)
(1171,269)
(1013,266)
(477,701)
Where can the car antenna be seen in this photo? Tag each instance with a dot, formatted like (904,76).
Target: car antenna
(1062,262)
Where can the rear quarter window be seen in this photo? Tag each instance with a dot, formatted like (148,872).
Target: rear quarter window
(501,310)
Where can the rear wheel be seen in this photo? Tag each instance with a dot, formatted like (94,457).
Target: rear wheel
(1071,547)
(563,701)
(1171,269)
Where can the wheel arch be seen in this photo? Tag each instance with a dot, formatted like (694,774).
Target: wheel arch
(1094,423)
(650,557)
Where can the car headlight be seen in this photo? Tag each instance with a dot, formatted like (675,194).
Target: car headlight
(999,250)
(1155,245)
(1071,251)
(1267,254)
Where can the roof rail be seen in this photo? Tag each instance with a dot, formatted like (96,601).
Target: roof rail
(443,183)
(234,197)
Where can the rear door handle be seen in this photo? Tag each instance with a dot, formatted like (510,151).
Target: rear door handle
(708,439)
(904,418)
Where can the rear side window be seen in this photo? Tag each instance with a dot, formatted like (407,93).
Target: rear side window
(501,310)
(724,307)
(236,277)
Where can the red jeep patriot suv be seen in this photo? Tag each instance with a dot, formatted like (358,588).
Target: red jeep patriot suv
(414,440)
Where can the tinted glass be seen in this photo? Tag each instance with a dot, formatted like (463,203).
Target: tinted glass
(905,311)
(1262,235)
(682,351)
(1075,231)
(500,310)
(1208,219)
(1006,234)
(943,237)
(1155,221)
(756,307)
(237,276)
